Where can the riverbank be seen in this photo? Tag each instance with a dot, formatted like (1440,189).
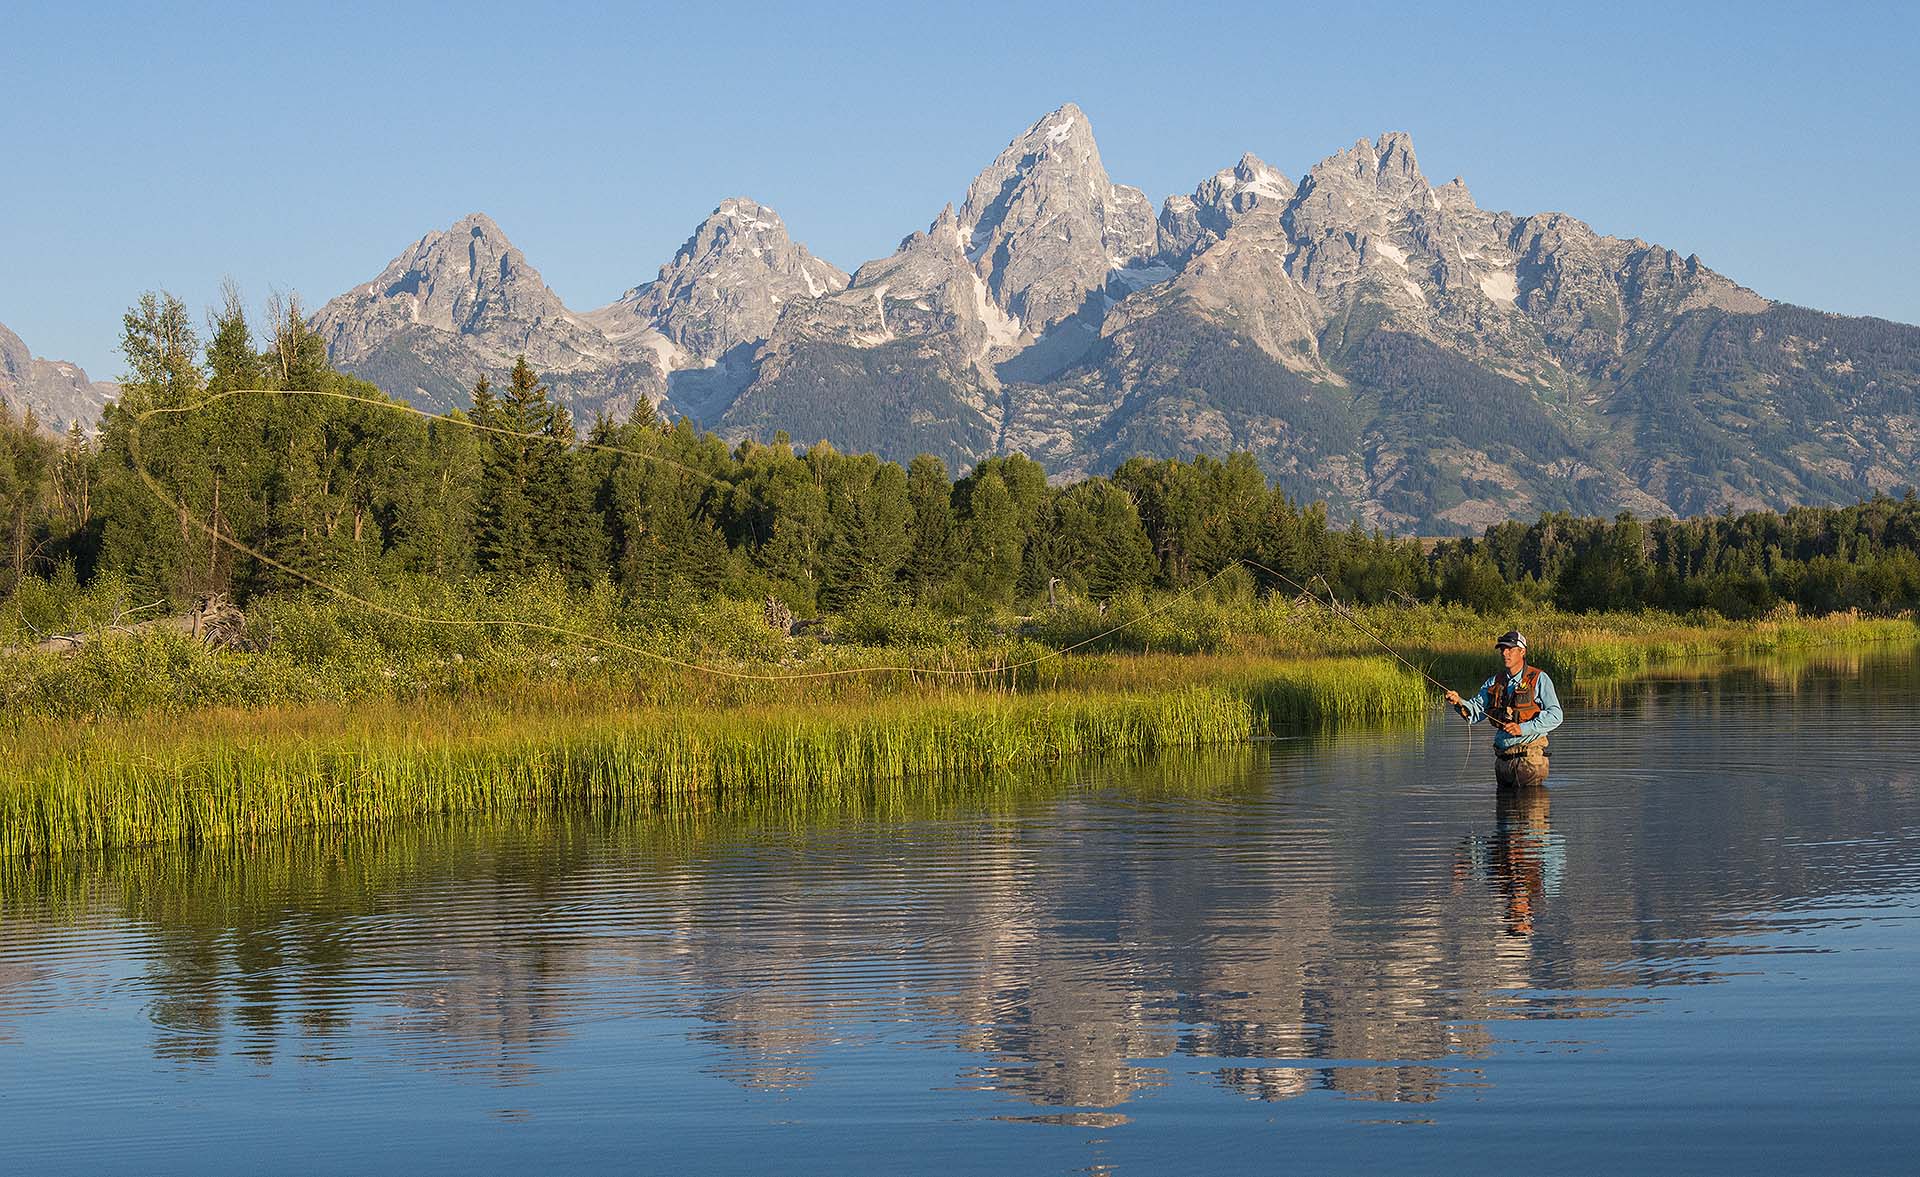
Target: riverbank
(228,747)
(236,773)
(516,644)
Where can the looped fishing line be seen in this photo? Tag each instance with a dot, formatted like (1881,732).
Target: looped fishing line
(153,484)
(1332,605)
(140,417)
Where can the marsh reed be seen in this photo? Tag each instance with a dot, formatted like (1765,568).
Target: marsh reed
(220,775)
(346,720)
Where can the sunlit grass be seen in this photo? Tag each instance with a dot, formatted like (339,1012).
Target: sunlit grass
(246,772)
(346,719)
(345,871)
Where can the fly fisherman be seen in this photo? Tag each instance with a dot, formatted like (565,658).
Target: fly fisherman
(1522,706)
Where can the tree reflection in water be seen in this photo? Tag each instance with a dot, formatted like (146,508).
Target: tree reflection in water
(1322,916)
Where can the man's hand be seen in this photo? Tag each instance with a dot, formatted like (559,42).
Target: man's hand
(1453,697)
(1512,729)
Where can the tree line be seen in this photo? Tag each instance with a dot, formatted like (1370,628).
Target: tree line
(247,465)
(1862,556)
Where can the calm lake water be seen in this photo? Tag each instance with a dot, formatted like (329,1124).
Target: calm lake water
(1698,953)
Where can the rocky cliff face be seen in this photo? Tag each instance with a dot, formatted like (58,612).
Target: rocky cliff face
(1375,339)
(921,347)
(1044,226)
(726,286)
(1188,225)
(903,354)
(462,303)
(55,392)
(1386,344)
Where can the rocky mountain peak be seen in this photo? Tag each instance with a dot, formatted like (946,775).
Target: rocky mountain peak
(16,362)
(467,279)
(1394,162)
(1343,329)
(946,228)
(924,259)
(463,302)
(57,393)
(478,224)
(1189,224)
(469,271)
(1232,193)
(944,234)
(920,319)
(1453,196)
(726,285)
(1369,208)
(1386,168)
(1044,224)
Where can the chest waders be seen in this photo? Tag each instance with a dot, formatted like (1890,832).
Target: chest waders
(1517,702)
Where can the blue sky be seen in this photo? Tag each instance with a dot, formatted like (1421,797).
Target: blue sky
(299,148)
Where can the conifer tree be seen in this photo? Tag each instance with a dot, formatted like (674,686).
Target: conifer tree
(155,543)
(868,535)
(435,510)
(232,362)
(504,532)
(662,542)
(991,541)
(930,552)
(536,493)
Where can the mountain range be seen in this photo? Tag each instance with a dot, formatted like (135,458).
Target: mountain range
(57,393)
(1374,339)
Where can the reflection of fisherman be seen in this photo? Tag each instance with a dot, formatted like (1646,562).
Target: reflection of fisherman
(1523,859)
(1522,706)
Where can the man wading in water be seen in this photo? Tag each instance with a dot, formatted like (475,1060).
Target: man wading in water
(1523,707)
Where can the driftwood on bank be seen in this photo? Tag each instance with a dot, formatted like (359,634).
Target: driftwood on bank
(214,620)
(779,617)
(781,620)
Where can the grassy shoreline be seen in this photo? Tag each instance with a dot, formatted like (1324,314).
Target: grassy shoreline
(586,736)
(244,773)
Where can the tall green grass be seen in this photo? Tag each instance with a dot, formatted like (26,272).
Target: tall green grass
(1593,656)
(534,637)
(343,871)
(247,773)
(346,716)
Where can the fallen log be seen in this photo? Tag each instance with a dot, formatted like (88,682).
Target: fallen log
(214,621)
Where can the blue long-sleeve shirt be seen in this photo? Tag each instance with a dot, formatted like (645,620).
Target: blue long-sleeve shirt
(1548,719)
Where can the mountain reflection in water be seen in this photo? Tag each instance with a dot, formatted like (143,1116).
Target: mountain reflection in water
(1357,916)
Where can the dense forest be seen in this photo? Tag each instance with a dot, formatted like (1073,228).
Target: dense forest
(318,479)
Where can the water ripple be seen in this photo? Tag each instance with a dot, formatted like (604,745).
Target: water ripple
(1342,918)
